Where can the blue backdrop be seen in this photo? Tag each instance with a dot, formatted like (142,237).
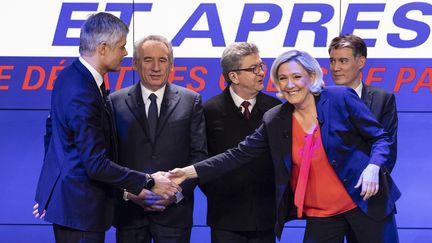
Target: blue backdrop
(31,55)
(22,116)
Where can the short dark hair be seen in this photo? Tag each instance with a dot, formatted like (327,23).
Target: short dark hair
(354,42)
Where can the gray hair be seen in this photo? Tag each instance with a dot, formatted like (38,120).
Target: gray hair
(99,28)
(309,64)
(158,38)
(233,55)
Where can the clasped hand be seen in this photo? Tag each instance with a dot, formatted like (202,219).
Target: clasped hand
(161,195)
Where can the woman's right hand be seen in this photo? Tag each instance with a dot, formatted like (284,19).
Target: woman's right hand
(36,212)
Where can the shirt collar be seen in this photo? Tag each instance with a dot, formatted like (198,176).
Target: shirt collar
(239,100)
(359,89)
(146,92)
(96,75)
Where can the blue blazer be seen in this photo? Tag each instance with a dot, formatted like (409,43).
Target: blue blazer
(351,137)
(180,141)
(78,172)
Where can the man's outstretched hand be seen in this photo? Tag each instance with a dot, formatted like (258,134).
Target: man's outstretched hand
(164,186)
(178,175)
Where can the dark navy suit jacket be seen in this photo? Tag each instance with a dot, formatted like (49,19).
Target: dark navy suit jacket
(351,136)
(383,105)
(180,141)
(75,184)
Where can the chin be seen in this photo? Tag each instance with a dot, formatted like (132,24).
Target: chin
(340,82)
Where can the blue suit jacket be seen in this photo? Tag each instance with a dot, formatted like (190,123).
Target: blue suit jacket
(75,184)
(180,141)
(351,137)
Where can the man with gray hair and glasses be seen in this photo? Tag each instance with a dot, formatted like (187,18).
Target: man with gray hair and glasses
(240,205)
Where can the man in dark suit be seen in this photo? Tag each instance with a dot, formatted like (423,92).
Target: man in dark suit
(160,126)
(240,205)
(347,58)
(75,188)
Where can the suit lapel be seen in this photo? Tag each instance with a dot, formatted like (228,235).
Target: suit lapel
(366,96)
(136,105)
(230,106)
(283,126)
(322,106)
(260,105)
(170,100)
(105,103)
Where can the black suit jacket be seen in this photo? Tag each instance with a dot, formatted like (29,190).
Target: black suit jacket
(180,141)
(75,184)
(242,200)
(383,105)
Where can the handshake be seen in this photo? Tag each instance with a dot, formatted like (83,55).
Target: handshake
(164,192)
(158,196)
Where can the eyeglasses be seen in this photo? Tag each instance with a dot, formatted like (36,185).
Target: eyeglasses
(255,69)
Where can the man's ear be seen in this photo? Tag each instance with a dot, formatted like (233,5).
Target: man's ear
(362,61)
(233,77)
(134,64)
(101,48)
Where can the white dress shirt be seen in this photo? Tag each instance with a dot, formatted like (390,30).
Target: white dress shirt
(239,100)
(159,96)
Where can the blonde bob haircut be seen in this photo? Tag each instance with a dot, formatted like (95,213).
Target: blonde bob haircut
(309,64)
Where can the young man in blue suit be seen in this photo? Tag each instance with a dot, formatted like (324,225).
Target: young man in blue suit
(347,58)
(160,126)
(75,188)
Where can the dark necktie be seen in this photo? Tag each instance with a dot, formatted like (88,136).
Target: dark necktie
(152,116)
(104,92)
(246,112)
(112,153)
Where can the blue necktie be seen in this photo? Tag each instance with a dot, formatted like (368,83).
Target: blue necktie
(152,116)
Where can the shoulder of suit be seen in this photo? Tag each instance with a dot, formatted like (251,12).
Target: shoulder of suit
(214,102)
(73,79)
(378,90)
(182,90)
(334,90)
(216,99)
(274,110)
(268,99)
(123,92)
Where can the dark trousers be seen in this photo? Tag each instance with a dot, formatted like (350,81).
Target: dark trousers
(363,228)
(157,233)
(225,236)
(68,235)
